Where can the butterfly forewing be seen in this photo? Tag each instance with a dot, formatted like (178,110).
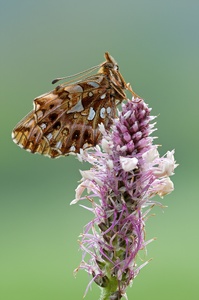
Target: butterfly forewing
(67,118)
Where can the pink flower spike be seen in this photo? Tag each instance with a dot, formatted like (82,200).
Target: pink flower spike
(126,173)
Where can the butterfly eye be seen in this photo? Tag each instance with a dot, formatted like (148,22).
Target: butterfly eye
(109,65)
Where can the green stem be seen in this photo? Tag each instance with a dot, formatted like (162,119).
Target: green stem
(112,287)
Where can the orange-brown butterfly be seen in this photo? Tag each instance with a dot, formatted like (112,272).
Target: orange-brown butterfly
(66,119)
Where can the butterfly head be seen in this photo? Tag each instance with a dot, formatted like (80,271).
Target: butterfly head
(111,69)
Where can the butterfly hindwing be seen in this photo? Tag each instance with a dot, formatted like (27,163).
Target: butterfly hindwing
(67,118)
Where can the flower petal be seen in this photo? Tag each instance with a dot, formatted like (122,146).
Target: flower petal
(128,163)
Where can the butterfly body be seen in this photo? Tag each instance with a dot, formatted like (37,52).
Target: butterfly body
(66,119)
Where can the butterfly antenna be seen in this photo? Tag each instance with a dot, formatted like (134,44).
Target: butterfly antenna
(74,75)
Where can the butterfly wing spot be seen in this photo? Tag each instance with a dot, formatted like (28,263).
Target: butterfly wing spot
(74,89)
(103,96)
(91,114)
(86,135)
(57,125)
(108,110)
(102,112)
(39,114)
(49,136)
(76,108)
(76,135)
(53,117)
(65,131)
(59,145)
(90,138)
(86,145)
(43,126)
(93,84)
(72,148)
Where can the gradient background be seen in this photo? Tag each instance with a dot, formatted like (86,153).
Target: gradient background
(156,44)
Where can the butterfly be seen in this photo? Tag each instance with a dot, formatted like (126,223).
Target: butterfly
(66,119)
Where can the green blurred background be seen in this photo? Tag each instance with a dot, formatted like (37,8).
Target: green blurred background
(156,44)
